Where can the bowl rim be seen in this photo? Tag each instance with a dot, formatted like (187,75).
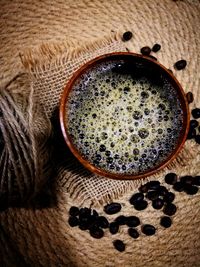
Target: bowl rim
(63,122)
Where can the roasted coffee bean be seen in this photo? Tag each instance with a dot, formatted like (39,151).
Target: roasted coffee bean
(148,229)
(132,221)
(136,197)
(196,113)
(127,36)
(151,195)
(162,190)
(112,208)
(186,179)
(96,232)
(133,233)
(84,212)
(102,222)
(181,64)
(169,197)
(154,58)
(114,228)
(156,48)
(95,213)
(153,185)
(157,203)
(191,134)
(144,188)
(84,226)
(74,211)
(196,180)
(166,222)
(73,221)
(119,245)
(190,97)
(141,205)
(146,50)
(191,189)
(171,178)
(169,209)
(179,186)
(197,139)
(193,124)
(121,220)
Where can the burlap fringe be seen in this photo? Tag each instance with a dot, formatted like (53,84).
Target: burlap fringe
(47,56)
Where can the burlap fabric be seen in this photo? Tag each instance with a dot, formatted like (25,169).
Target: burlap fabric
(43,236)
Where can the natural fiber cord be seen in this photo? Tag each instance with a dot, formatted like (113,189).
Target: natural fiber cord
(43,236)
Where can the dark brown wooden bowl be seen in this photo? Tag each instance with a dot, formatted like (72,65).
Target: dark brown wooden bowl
(123,55)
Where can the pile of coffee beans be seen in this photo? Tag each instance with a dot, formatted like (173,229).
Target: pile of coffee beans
(187,183)
(150,193)
(194,131)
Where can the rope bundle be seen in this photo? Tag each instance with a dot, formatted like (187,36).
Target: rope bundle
(24,149)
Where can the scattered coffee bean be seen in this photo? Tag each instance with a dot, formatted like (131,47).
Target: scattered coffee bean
(156,48)
(152,57)
(169,197)
(133,233)
(197,139)
(146,50)
(136,197)
(190,97)
(171,178)
(73,221)
(119,245)
(196,180)
(153,185)
(178,186)
(148,229)
(74,211)
(186,179)
(196,113)
(114,228)
(181,64)
(166,222)
(141,205)
(169,209)
(151,195)
(96,232)
(102,222)
(191,189)
(144,188)
(84,212)
(127,36)
(158,203)
(193,124)
(112,208)
(84,225)
(132,221)
(191,134)
(121,220)
(162,190)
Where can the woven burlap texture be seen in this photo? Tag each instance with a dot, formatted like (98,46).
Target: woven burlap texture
(43,237)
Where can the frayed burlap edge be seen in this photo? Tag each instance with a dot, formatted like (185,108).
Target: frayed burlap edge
(50,55)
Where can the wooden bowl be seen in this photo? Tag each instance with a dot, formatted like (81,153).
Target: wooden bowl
(145,72)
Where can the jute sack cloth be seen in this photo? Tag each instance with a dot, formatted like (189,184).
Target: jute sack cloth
(44,238)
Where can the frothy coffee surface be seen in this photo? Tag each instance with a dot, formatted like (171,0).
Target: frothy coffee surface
(122,121)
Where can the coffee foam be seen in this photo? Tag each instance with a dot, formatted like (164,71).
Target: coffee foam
(122,124)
